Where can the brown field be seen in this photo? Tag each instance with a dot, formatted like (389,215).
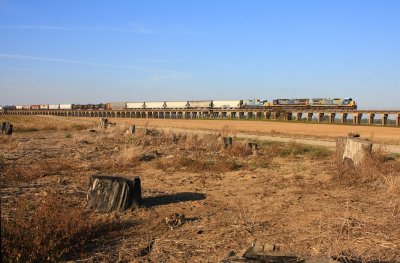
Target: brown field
(388,135)
(298,197)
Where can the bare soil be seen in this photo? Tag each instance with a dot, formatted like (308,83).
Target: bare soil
(378,134)
(287,195)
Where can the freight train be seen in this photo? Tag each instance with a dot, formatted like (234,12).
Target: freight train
(276,104)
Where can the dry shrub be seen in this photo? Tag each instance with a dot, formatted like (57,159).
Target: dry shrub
(43,234)
(375,167)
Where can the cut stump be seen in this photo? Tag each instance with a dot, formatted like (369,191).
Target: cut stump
(228,141)
(103,123)
(354,149)
(6,128)
(113,193)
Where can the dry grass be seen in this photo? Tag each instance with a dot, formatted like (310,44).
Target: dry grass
(198,165)
(45,123)
(374,169)
(354,215)
(38,169)
(44,233)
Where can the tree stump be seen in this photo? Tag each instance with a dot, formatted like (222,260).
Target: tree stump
(103,123)
(340,147)
(132,129)
(356,149)
(253,146)
(113,193)
(228,141)
(6,128)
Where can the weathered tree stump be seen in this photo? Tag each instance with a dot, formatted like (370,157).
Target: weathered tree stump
(253,146)
(6,128)
(340,147)
(113,193)
(131,129)
(228,141)
(103,123)
(354,149)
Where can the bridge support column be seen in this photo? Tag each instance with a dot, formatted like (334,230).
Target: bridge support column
(288,116)
(309,116)
(371,118)
(321,116)
(384,119)
(275,115)
(344,117)
(357,118)
(398,120)
(299,115)
(332,116)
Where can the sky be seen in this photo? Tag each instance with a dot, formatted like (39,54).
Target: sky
(99,51)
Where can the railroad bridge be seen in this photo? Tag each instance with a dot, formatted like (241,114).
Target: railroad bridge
(321,116)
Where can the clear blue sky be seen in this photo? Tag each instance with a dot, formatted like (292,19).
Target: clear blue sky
(98,51)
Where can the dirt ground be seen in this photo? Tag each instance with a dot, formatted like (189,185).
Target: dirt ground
(379,134)
(288,195)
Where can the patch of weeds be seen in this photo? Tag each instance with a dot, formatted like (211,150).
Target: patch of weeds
(295,149)
(68,135)
(260,163)
(130,140)
(1,159)
(78,127)
(198,165)
(44,233)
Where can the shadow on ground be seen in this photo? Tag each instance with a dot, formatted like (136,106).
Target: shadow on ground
(172,198)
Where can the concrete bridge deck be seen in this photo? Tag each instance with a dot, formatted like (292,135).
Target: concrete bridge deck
(320,115)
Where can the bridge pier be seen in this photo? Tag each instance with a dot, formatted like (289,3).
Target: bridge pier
(398,120)
(371,118)
(385,119)
(332,116)
(310,116)
(299,115)
(357,118)
(275,115)
(288,116)
(321,116)
(344,117)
